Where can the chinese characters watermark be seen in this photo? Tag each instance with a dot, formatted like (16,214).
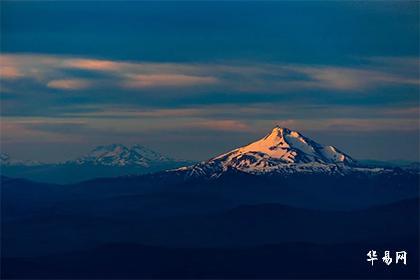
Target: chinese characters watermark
(400,257)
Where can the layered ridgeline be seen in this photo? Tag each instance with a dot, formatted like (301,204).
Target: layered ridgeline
(281,151)
(103,161)
(240,211)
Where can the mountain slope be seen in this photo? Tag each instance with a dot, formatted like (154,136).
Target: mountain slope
(5,160)
(103,161)
(120,155)
(287,146)
(281,151)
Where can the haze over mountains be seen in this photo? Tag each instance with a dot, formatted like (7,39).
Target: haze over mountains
(103,161)
(282,151)
(250,206)
(108,155)
(120,155)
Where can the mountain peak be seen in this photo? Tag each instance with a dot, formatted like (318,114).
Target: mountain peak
(111,147)
(121,155)
(281,150)
(5,159)
(280,129)
(278,133)
(289,146)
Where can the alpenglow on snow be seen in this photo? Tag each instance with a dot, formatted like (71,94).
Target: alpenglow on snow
(282,151)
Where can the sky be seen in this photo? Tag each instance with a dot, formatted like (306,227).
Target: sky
(195,79)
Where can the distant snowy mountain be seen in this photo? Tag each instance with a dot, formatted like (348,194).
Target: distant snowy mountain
(5,159)
(120,155)
(281,151)
(104,161)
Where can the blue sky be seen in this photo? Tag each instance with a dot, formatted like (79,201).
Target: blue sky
(193,79)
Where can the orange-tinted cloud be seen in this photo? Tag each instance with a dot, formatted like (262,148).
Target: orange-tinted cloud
(71,84)
(352,124)
(233,77)
(92,64)
(10,72)
(347,79)
(167,80)
(223,125)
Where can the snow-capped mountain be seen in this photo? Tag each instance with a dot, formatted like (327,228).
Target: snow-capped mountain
(120,155)
(281,151)
(6,160)
(103,161)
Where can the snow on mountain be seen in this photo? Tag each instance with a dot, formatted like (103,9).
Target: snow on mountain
(286,146)
(120,155)
(281,151)
(5,159)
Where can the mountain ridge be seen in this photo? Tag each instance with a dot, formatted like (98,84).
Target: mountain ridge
(282,151)
(108,155)
(102,162)
(121,155)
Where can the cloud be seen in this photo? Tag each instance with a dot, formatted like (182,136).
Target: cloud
(413,112)
(229,77)
(92,64)
(219,125)
(65,130)
(29,66)
(9,72)
(263,112)
(118,112)
(74,84)
(407,64)
(42,130)
(353,124)
(167,80)
(340,78)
